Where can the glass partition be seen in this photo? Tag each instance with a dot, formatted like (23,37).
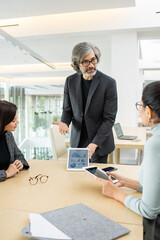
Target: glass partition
(42,110)
(35,115)
(1,91)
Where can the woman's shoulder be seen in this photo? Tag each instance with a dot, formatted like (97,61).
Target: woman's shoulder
(153,143)
(9,136)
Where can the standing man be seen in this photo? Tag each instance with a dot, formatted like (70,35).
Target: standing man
(90,103)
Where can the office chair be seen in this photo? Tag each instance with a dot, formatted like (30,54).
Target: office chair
(58,144)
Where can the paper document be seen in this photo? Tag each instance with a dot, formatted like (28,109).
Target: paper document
(40,227)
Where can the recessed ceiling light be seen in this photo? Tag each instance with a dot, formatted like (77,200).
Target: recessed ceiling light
(24,48)
(10,25)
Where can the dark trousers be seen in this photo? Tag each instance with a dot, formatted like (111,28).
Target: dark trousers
(84,143)
(98,159)
(151,228)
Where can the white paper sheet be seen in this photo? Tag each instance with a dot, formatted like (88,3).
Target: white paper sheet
(40,227)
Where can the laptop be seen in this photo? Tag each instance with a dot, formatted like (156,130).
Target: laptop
(119,133)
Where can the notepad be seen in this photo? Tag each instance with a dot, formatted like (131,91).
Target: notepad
(40,227)
(80,222)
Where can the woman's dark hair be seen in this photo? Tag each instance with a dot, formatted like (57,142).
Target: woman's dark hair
(7,114)
(151,97)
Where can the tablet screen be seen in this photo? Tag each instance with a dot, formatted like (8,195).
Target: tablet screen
(77,158)
(97,172)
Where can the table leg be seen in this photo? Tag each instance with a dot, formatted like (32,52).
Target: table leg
(117,155)
(139,156)
(110,158)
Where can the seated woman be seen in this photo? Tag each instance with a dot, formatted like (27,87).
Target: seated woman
(11,159)
(149,173)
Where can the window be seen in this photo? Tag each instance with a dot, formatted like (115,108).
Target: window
(42,110)
(149,59)
(16,95)
(1,91)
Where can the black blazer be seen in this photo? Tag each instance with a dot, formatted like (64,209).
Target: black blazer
(100,110)
(15,154)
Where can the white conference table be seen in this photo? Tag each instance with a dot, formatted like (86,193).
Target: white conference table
(63,188)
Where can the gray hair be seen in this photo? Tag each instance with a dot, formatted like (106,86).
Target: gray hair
(81,50)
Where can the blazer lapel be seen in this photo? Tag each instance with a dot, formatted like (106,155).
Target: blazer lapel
(9,145)
(94,85)
(79,93)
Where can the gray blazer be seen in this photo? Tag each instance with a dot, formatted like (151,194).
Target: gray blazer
(15,154)
(100,110)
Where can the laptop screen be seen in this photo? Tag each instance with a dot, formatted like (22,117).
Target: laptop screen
(118,129)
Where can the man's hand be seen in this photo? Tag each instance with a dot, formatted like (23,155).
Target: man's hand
(91,149)
(63,128)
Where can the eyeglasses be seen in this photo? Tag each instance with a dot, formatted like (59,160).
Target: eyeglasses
(86,63)
(42,178)
(138,105)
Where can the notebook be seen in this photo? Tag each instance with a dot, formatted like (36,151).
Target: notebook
(80,222)
(120,135)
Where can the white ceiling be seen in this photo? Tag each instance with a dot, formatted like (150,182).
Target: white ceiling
(23,8)
(38,23)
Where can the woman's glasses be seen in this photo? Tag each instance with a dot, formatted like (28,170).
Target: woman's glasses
(40,177)
(138,105)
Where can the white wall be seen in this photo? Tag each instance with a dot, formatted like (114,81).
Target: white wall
(124,68)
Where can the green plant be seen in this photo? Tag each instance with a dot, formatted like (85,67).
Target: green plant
(56,118)
(39,121)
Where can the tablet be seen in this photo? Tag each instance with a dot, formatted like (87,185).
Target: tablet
(98,172)
(77,159)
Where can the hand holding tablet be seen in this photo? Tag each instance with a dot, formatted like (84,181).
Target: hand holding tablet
(77,159)
(97,172)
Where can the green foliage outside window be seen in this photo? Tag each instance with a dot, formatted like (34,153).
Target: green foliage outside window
(41,120)
(56,118)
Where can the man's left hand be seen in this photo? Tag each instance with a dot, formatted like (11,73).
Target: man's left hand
(91,149)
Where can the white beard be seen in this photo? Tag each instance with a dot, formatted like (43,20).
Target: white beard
(88,74)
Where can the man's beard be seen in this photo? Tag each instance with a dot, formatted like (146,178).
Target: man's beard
(88,74)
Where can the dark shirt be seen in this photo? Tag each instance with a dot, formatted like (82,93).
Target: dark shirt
(86,84)
(4,153)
